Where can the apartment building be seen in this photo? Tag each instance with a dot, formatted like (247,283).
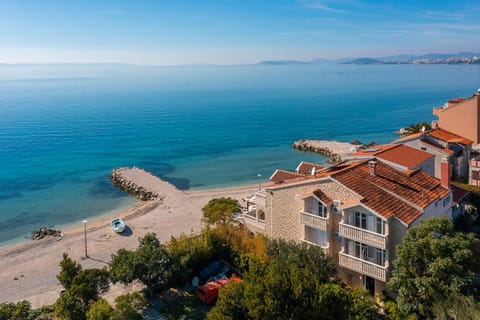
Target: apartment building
(461,116)
(399,156)
(443,144)
(357,211)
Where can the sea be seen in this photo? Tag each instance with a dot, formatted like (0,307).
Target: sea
(63,128)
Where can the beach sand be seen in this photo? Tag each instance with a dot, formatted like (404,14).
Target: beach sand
(29,269)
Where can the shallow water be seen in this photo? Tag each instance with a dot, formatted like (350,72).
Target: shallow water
(64,128)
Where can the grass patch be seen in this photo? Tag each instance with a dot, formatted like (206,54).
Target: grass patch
(181,303)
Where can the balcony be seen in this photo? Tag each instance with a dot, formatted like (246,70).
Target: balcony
(325,248)
(250,219)
(364,267)
(313,221)
(364,236)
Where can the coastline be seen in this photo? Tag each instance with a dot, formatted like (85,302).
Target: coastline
(29,268)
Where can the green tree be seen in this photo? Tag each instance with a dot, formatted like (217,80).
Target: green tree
(150,264)
(69,270)
(290,285)
(128,307)
(70,307)
(230,304)
(417,127)
(89,283)
(220,210)
(100,310)
(433,264)
(16,311)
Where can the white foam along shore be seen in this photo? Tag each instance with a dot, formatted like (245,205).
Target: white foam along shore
(29,268)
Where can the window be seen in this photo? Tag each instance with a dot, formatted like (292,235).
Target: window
(349,278)
(322,210)
(360,220)
(261,215)
(380,225)
(446,200)
(423,149)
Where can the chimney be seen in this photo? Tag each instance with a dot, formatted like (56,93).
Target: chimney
(372,164)
(445,173)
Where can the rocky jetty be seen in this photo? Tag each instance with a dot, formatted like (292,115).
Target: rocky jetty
(333,149)
(126,179)
(46,232)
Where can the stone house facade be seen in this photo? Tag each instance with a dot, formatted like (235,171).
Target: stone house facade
(356,211)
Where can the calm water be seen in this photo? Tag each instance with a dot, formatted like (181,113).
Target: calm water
(64,128)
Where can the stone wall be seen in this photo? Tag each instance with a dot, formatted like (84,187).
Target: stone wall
(131,187)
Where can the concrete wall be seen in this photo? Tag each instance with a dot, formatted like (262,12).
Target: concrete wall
(461,118)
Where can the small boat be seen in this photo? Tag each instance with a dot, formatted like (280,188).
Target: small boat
(118,225)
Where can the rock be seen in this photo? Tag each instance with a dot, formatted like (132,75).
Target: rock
(130,187)
(46,232)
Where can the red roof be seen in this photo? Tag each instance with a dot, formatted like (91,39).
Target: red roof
(323,197)
(405,156)
(391,192)
(373,150)
(448,136)
(283,175)
(306,167)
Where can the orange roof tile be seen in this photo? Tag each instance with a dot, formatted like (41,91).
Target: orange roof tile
(306,167)
(405,156)
(410,136)
(323,197)
(282,175)
(392,193)
(448,136)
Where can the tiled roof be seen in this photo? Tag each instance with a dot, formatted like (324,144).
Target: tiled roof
(391,192)
(283,175)
(448,136)
(323,197)
(405,156)
(409,137)
(373,150)
(306,167)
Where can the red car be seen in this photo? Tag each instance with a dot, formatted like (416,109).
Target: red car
(208,293)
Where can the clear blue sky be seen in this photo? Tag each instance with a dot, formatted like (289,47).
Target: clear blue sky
(229,31)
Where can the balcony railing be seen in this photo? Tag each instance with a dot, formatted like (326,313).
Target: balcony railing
(325,248)
(252,221)
(313,221)
(365,267)
(364,236)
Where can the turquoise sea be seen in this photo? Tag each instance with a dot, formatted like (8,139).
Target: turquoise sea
(63,128)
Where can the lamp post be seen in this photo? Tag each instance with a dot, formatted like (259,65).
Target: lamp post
(85,234)
(259,181)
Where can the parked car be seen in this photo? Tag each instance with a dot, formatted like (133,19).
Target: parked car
(208,293)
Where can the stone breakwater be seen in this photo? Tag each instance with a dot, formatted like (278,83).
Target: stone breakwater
(128,180)
(333,149)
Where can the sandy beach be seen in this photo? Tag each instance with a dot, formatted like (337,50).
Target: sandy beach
(29,268)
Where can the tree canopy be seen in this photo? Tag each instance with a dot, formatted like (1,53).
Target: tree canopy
(434,263)
(149,263)
(220,210)
(297,283)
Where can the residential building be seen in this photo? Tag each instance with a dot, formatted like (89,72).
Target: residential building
(399,156)
(474,173)
(443,144)
(357,211)
(461,116)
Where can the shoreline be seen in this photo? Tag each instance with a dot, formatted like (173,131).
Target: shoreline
(29,267)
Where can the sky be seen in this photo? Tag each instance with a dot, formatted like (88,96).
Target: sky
(168,32)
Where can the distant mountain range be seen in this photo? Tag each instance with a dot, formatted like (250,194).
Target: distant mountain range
(430,58)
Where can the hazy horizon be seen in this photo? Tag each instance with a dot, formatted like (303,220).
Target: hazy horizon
(230,32)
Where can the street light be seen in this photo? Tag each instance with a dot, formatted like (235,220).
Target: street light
(85,233)
(259,181)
